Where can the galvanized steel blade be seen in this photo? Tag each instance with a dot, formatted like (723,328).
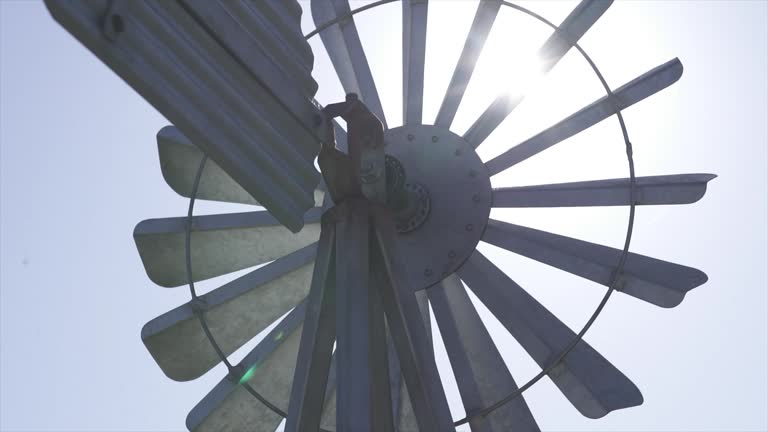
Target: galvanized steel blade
(414,52)
(268,369)
(180,161)
(361,403)
(652,190)
(342,42)
(634,91)
(658,282)
(590,382)
(316,347)
(473,46)
(481,374)
(406,323)
(235,103)
(235,312)
(219,244)
(566,36)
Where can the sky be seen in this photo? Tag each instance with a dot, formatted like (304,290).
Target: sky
(79,169)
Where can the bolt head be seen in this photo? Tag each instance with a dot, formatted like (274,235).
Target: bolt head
(435,139)
(427,272)
(469,227)
(410,137)
(451,254)
(476,198)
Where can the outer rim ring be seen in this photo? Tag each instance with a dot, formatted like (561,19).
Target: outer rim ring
(614,279)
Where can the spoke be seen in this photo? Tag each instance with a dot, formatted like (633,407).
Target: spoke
(590,382)
(406,415)
(406,323)
(180,160)
(234,312)
(346,53)
(473,46)
(316,346)
(414,51)
(654,190)
(268,369)
(658,282)
(481,374)
(220,244)
(636,90)
(568,34)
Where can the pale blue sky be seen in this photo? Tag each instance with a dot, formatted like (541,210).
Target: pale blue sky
(79,169)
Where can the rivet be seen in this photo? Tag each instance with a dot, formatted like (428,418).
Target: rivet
(451,254)
(473,173)
(476,198)
(410,137)
(469,227)
(427,272)
(435,138)
(457,152)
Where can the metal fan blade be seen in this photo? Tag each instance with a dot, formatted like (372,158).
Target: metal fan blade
(346,53)
(235,312)
(653,190)
(634,91)
(481,374)
(567,35)
(590,382)
(473,46)
(267,369)
(414,51)
(219,244)
(205,68)
(658,282)
(180,160)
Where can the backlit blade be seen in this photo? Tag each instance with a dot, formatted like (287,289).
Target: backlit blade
(570,31)
(590,382)
(234,312)
(219,244)
(473,46)
(414,51)
(209,72)
(481,374)
(655,281)
(180,160)
(625,96)
(268,369)
(342,42)
(654,190)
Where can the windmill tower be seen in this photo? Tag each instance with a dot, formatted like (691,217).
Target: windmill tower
(358,253)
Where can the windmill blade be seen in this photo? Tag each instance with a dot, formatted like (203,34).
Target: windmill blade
(220,244)
(401,401)
(481,374)
(180,161)
(346,52)
(216,79)
(658,282)
(634,91)
(590,382)
(653,190)
(473,46)
(234,312)
(268,369)
(414,52)
(566,36)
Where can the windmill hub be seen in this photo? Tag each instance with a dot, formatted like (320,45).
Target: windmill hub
(454,200)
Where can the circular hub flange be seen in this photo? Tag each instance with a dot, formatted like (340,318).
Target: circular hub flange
(459,189)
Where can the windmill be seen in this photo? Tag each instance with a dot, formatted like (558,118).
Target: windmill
(357,260)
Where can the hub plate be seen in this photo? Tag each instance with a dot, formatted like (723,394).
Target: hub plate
(460,198)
